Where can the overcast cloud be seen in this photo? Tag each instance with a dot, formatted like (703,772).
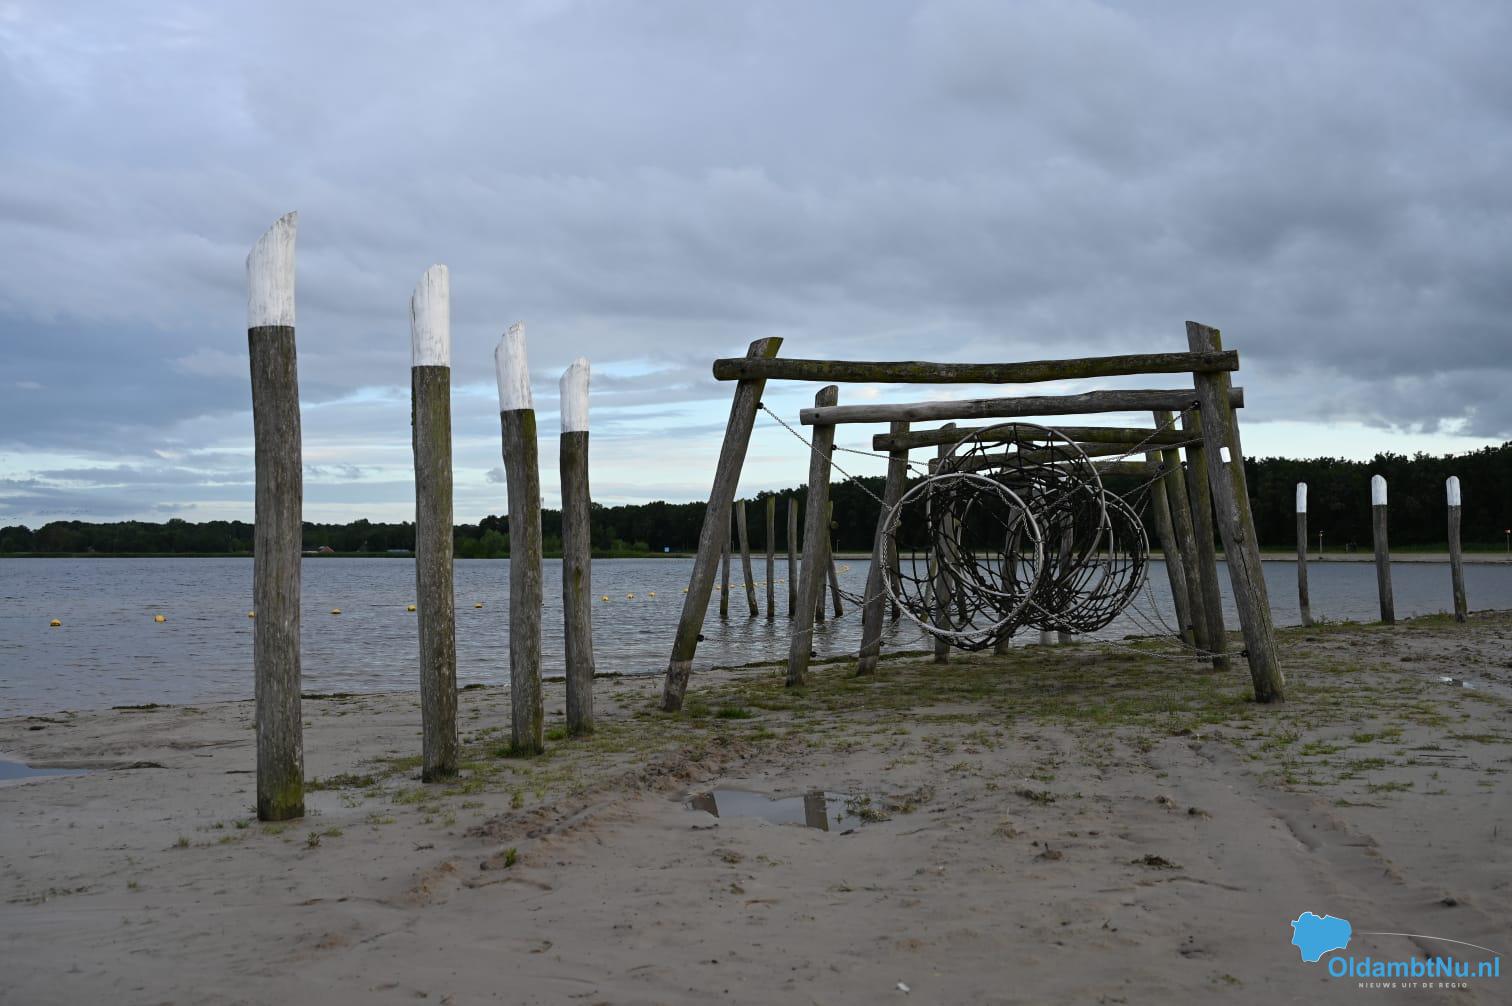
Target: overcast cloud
(654,184)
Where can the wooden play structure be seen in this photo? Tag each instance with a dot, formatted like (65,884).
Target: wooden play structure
(1190,496)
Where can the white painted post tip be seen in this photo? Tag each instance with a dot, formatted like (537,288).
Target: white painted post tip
(1452,487)
(270,275)
(430,319)
(512,371)
(574,388)
(1378,490)
(1301,497)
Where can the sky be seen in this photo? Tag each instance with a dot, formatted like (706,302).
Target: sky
(653,185)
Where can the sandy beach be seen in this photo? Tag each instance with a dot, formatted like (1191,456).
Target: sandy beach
(1089,823)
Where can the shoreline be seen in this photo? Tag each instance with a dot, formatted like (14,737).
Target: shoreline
(1055,824)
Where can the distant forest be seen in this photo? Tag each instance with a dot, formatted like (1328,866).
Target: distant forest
(1338,497)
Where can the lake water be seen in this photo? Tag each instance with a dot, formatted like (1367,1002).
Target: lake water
(109,651)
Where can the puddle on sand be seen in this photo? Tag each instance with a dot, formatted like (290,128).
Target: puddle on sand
(16,771)
(814,809)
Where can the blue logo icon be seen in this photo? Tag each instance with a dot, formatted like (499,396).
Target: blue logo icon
(1316,935)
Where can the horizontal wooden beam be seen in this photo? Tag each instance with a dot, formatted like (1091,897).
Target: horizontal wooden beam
(987,462)
(1176,400)
(1080,434)
(744,368)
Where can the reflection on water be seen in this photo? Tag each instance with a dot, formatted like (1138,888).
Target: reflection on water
(814,809)
(108,650)
(15,771)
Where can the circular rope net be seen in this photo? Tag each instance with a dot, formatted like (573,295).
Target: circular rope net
(1012,530)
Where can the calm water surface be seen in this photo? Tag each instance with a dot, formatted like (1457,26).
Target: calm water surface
(109,651)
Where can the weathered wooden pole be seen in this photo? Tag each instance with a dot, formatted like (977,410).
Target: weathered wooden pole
(1241,548)
(430,411)
(724,575)
(1382,548)
(1214,636)
(1170,549)
(1175,488)
(941,579)
(278,532)
(1456,556)
(771,557)
(829,558)
(517,420)
(716,522)
(811,576)
(792,554)
(745,556)
(872,603)
(1303,601)
(577,547)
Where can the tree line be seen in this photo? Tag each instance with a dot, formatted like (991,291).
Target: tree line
(1338,505)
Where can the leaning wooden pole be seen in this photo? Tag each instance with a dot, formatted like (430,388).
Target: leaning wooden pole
(1236,525)
(577,547)
(517,420)
(792,554)
(1456,556)
(1170,548)
(811,576)
(278,532)
(1303,601)
(1175,489)
(716,523)
(745,557)
(430,403)
(873,603)
(771,557)
(1382,548)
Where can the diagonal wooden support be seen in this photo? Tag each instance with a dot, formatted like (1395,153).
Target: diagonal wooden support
(815,534)
(716,523)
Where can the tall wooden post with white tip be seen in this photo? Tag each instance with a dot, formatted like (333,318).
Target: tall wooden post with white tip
(1303,601)
(1456,556)
(577,548)
(430,419)
(278,533)
(523,479)
(771,557)
(1382,548)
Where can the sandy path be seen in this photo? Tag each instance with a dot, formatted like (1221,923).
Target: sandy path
(1072,825)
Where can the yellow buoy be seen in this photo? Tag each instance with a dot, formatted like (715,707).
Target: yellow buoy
(685,590)
(629,597)
(160,618)
(251,614)
(651,594)
(335,611)
(55,623)
(604,598)
(478,605)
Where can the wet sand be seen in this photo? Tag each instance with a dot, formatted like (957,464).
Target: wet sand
(1092,823)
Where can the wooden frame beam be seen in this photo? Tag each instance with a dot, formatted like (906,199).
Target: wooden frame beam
(743,368)
(1176,400)
(1081,434)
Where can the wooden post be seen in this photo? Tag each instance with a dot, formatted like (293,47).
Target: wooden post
(771,557)
(1241,548)
(430,404)
(716,522)
(724,575)
(517,420)
(1195,632)
(872,602)
(811,578)
(577,548)
(745,556)
(792,554)
(1303,601)
(1382,548)
(1170,549)
(941,578)
(1214,636)
(278,535)
(829,557)
(1456,557)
